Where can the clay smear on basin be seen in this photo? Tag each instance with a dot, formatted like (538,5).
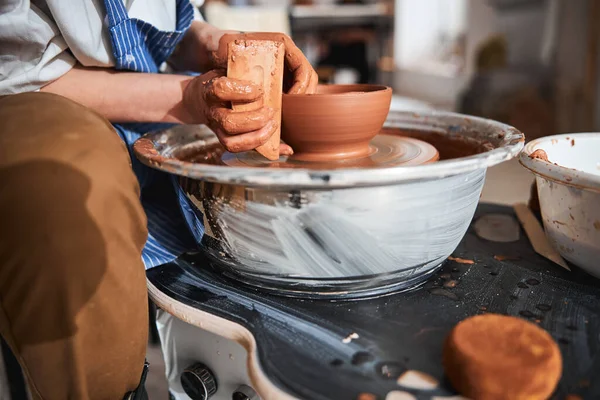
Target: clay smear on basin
(540,154)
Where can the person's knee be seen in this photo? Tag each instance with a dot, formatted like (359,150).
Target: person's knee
(34,125)
(66,194)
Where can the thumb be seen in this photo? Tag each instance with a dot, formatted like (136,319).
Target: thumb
(219,55)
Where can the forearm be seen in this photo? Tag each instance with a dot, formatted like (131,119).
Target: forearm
(126,96)
(193,52)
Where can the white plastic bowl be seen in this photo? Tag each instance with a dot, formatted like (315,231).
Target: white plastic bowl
(569,191)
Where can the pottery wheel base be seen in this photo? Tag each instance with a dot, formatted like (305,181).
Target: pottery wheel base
(386,151)
(343,288)
(307,349)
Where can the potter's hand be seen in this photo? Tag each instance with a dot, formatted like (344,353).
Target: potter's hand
(207,97)
(299,77)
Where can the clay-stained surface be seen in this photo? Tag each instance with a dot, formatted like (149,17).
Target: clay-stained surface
(300,343)
(568,184)
(337,122)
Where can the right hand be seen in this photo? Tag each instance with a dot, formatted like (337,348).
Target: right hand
(207,97)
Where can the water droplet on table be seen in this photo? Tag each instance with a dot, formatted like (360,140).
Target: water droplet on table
(544,307)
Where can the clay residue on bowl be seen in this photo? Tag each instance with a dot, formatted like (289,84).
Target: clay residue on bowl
(540,154)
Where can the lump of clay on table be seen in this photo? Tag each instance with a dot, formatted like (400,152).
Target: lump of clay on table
(497,357)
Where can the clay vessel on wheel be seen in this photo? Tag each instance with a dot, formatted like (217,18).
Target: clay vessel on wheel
(337,122)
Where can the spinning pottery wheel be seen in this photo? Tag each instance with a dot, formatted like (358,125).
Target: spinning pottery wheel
(345,228)
(386,150)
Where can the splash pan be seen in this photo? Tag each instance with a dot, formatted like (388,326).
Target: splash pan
(361,227)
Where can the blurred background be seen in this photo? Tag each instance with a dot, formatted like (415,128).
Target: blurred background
(529,63)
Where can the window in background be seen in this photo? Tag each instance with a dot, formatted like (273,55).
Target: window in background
(430,36)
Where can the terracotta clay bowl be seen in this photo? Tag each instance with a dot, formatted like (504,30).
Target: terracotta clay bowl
(337,122)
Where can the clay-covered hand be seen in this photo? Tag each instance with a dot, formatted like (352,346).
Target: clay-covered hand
(299,77)
(207,98)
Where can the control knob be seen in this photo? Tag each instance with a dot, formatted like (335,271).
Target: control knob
(198,382)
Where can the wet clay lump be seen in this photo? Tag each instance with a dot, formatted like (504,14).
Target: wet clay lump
(262,63)
(337,122)
(496,357)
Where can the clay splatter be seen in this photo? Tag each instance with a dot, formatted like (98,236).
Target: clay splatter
(500,257)
(461,260)
(366,396)
(445,293)
(450,284)
(597,225)
(540,154)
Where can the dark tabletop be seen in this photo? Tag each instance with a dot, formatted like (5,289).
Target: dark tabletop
(299,342)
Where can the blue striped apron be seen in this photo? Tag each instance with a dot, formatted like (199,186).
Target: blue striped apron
(138,46)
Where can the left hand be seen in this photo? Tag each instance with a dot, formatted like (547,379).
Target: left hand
(204,48)
(299,77)
(194,52)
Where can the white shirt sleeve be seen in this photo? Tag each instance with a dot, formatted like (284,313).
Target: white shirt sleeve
(33,53)
(84,27)
(197,4)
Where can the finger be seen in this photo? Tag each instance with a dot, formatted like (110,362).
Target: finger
(248,141)
(314,83)
(300,80)
(238,122)
(285,150)
(299,66)
(236,90)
